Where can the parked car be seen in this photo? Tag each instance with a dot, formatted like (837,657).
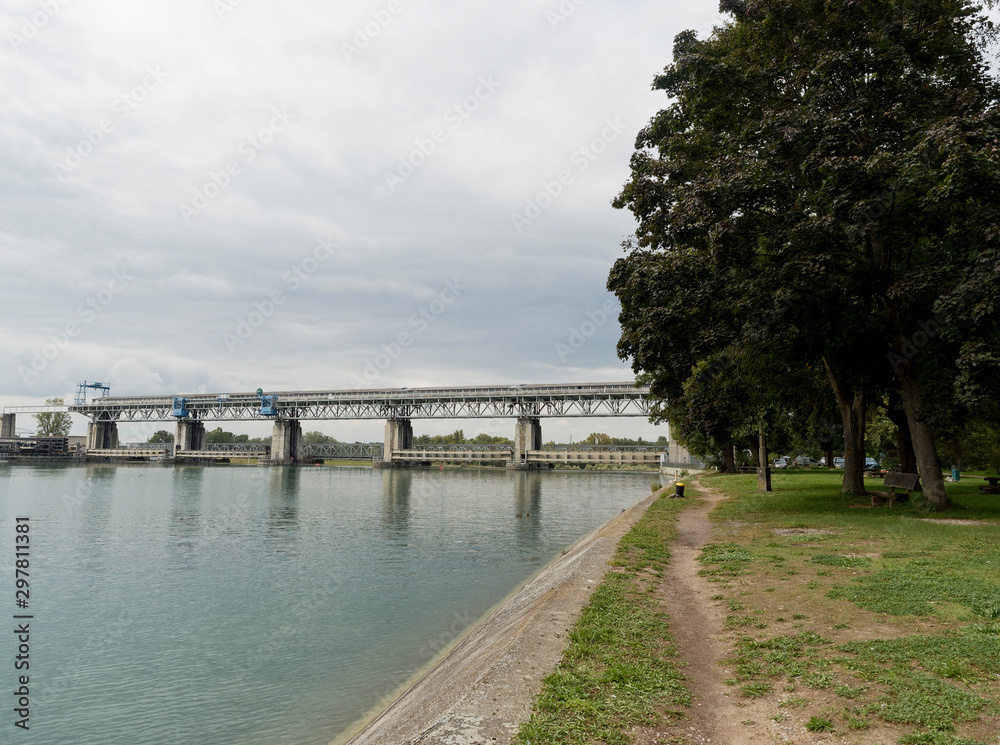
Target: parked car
(781,462)
(839,462)
(871,464)
(806,462)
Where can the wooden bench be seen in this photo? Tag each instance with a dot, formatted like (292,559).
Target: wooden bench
(908,482)
(993,487)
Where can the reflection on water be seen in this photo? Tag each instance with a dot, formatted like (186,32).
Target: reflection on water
(185,517)
(88,501)
(270,606)
(283,509)
(527,505)
(396,488)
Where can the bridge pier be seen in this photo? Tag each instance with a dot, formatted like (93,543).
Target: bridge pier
(190,435)
(527,437)
(102,435)
(398,436)
(7,425)
(286,443)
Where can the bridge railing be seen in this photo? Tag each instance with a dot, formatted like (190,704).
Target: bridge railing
(239,447)
(345,450)
(587,448)
(169,446)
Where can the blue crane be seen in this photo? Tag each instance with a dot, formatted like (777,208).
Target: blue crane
(81,391)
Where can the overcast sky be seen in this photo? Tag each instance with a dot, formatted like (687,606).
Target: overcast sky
(221,195)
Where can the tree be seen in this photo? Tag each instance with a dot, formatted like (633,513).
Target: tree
(598,438)
(831,168)
(161,436)
(317,438)
(485,439)
(218,435)
(53,423)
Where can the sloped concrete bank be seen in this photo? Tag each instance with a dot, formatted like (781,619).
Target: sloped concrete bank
(482,689)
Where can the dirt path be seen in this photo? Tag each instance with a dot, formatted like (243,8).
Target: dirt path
(697,627)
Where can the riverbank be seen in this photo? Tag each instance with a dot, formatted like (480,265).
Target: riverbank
(803,615)
(482,688)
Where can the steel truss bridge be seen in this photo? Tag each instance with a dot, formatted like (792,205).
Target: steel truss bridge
(482,402)
(528,404)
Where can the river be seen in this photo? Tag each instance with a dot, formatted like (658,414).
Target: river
(236,605)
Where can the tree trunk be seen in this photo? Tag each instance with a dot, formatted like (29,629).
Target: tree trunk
(907,458)
(852,413)
(829,457)
(755,453)
(924,447)
(763,467)
(729,462)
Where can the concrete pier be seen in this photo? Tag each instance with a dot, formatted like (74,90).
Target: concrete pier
(527,437)
(7,425)
(190,435)
(398,436)
(102,436)
(286,442)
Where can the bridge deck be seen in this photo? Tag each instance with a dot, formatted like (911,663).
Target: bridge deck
(129,453)
(537,400)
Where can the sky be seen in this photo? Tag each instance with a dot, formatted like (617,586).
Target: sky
(221,195)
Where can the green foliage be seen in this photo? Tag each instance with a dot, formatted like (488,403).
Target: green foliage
(53,423)
(161,435)
(318,438)
(755,690)
(218,435)
(818,724)
(458,438)
(819,194)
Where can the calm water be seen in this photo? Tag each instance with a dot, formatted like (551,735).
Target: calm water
(253,606)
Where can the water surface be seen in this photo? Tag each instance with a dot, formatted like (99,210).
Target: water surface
(253,606)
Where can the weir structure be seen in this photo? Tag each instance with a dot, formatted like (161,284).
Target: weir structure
(526,404)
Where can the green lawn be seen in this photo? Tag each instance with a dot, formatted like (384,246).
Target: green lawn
(844,618)
(896,616)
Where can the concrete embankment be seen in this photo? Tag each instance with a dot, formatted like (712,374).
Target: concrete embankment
(483,687)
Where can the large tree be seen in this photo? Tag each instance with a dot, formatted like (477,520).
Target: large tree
(833,168)
(53,423)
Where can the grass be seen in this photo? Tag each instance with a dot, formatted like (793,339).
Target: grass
(843,619)
(619,670)
(898,618)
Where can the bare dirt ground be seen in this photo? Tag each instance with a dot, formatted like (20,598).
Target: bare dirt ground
(696,625)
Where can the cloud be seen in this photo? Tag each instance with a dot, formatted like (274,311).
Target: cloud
(289,142)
